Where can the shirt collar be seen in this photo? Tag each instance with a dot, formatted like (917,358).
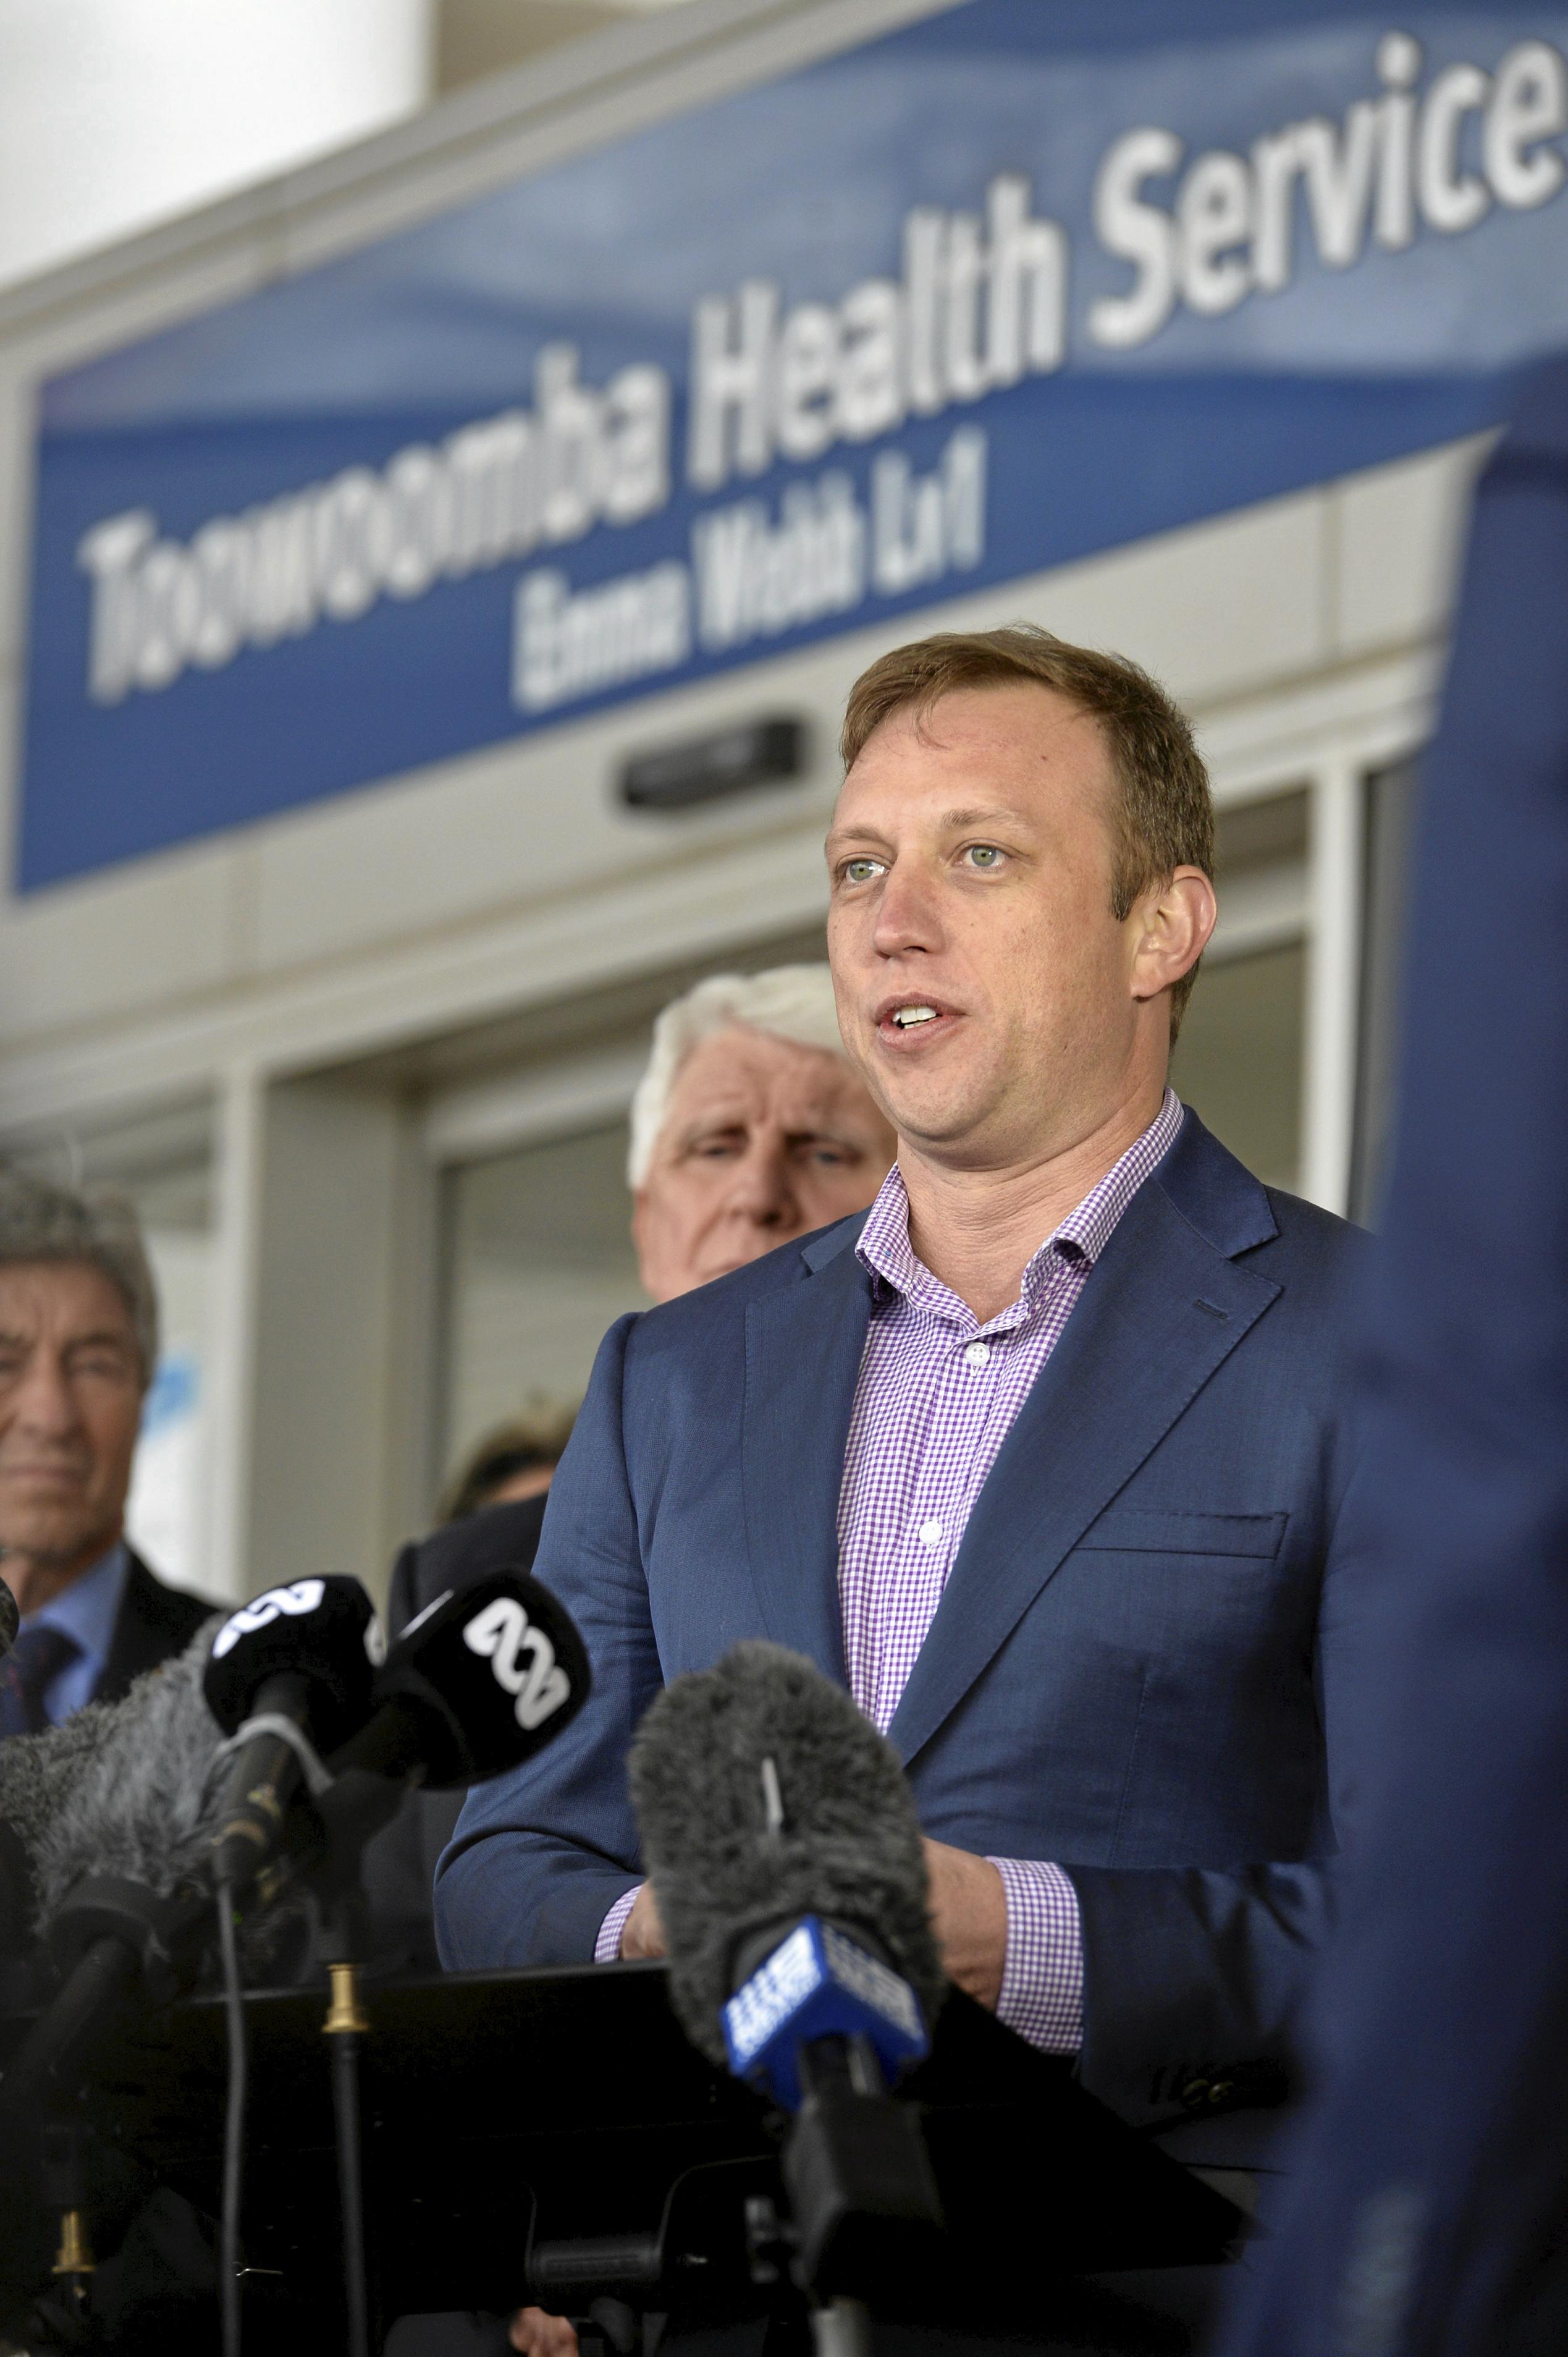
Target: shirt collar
(90,1606)
(885,1250)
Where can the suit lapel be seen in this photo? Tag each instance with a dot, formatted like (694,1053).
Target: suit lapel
(1163,1307)
(803,1349)
(153,1622)
(136,1644)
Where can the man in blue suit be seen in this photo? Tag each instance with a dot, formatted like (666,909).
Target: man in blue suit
(1431,2188)
(1046,1457)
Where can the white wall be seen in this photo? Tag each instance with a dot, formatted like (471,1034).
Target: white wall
(116,113)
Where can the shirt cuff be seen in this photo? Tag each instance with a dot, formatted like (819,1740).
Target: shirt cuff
(606,1947)
(1042,1979)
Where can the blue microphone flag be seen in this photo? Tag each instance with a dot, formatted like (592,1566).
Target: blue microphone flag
(819,1983)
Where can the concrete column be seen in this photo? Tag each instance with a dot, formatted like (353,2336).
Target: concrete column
(321,1315)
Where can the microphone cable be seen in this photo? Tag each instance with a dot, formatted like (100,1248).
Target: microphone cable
(233,2119)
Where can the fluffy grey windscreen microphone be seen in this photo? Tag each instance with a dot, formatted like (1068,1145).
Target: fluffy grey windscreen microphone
(122,1788)
(723,1868)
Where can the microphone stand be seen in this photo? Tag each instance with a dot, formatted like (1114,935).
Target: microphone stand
(64,2178)
(354,1807)
(342,1943)
(862,2195)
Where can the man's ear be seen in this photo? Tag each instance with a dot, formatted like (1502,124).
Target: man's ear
(1173,924)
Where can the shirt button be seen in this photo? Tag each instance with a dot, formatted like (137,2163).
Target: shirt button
(930,1533)
(977,1353)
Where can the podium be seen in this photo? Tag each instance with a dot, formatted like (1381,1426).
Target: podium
(554,2137)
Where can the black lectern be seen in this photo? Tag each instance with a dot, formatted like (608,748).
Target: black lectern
(554,2137)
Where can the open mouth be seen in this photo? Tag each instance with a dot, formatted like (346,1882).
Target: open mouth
(910,1020)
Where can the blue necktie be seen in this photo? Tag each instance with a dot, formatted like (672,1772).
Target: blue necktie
(27,1671)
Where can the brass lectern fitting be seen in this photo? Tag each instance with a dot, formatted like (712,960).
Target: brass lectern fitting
(344,2013)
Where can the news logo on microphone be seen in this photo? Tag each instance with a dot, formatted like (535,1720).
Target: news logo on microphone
(819,1983)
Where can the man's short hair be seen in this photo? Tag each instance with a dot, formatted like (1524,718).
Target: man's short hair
(1165,818)
(41,1221)
(788,1002)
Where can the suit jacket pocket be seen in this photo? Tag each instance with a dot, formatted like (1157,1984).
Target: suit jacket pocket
(1151,1530)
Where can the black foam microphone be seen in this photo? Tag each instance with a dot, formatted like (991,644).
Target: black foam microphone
(480,1682)
(290,1677)
(10,1620)
(111,1813)
(764,1797)
(121,1788)
(787,1863)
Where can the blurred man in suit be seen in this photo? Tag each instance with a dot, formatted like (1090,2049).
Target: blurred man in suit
(78,1349)
(1427,2205)
(512,1462)
(491,1518)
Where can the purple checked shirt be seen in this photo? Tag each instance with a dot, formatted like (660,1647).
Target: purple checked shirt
(936,1396)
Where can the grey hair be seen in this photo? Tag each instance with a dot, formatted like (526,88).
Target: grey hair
(788,1002)
(41,1221)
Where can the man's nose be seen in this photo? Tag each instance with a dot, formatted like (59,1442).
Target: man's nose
(43,1402)
(763,1186)
(907,913)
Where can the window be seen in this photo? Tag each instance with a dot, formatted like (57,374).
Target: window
(539,1262)
(1238,1062)
(1391,814)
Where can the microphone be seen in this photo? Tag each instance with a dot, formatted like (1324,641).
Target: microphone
(121,1788)
(111,1815)
(482,1679)
(290,1676)
(10,1620)
(787,1863)
(115,1809)
(766,1802)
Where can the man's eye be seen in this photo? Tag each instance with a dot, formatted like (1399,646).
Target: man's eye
(860,871)
(985,855)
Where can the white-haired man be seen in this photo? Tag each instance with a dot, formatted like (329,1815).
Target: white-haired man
(78,1349)
(748,1128)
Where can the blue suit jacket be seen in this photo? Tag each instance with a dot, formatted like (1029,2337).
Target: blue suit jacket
(1137,1660)
(1428,2211)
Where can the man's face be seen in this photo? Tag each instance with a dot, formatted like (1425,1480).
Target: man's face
(763,1141)
(70,1403)
(971,869)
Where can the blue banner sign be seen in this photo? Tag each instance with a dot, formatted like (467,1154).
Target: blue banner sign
(1009,286)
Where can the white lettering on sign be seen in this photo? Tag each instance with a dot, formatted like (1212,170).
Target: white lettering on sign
(491,492)
(757,576)
(274,1604)
(566,646)
(979,307)
(1230,228)
(755,572)
(981,304)
(522,1658)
